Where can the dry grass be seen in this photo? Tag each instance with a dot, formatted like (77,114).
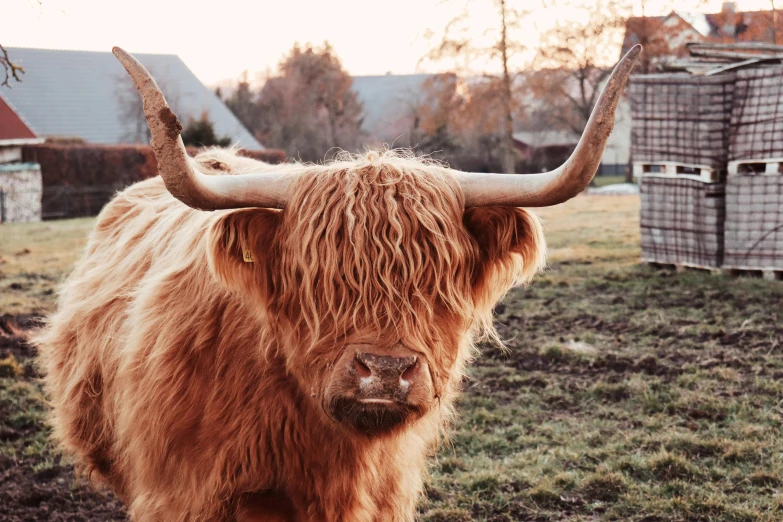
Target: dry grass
(34,259)
(602,230)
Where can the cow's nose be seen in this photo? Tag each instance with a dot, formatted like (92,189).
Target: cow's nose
(386,369)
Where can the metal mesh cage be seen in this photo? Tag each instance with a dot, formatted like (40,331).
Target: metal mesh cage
(754,222)
(757,114)
(681,118)
(682,221)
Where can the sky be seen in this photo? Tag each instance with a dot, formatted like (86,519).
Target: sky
(218,40)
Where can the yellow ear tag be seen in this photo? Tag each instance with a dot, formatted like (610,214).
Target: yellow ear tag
(247,255)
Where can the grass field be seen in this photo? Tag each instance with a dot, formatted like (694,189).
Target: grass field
(602,181)
(626,393)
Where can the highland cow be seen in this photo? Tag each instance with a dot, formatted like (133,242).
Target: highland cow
(293,353)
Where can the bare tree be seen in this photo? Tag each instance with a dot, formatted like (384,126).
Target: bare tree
(135,128)
(11,70)
(575,56)
(459,41)
(573,59)
(243,104)
(773,22)
(460,124)
(310,106)
(509,159)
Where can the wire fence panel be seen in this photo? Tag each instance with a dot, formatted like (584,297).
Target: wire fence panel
(58,202)
(62,202)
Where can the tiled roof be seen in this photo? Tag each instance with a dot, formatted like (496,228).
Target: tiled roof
(745,26)
(546,138)
(387,98)
(81,93)
(12,127)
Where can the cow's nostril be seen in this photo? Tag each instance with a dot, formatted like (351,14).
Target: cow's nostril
(410,371)
(362,370)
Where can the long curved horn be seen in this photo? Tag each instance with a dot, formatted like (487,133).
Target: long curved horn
(185,183)
(568,180)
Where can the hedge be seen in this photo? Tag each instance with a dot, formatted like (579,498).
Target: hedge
(107,165)
(78,179)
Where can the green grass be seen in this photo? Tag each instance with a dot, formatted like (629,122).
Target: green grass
(602,181)
(629,394)
(625,393)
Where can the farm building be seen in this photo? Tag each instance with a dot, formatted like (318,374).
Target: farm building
(79,121)
(21,184)
(20,192)
(86,95)
(548,148)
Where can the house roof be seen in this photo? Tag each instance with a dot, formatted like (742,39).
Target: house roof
(12,127)
(675,31)
(744,26)
(546,138)
(86,94)
(387,98)
(671,32)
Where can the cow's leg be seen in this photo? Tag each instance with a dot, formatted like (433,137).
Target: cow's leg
(268,506)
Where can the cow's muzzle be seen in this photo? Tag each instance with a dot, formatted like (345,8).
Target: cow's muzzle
(375,391)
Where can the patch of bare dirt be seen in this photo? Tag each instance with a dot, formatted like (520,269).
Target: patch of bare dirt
(15,332)
(51,494)
(33,489)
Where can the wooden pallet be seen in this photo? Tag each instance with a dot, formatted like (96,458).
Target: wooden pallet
(681,267)
(768,274)
(674,169)
(764,167)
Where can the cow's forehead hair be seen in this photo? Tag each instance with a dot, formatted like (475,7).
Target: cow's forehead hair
(375,241)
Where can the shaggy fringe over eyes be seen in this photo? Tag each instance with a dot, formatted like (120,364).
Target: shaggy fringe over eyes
(377,241)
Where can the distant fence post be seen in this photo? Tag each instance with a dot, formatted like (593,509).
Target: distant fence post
(2,206)
(67,204)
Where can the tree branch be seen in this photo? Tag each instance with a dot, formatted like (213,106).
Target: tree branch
(10,69)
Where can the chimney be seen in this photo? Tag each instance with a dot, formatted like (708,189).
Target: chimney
(729,12)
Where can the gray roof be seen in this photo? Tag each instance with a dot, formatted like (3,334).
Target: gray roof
(89,95)
(546,138)
(387,98)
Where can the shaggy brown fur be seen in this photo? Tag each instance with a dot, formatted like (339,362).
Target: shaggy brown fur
(193,383)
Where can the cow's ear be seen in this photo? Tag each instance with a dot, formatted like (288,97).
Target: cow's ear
(511,249)
(241,248)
